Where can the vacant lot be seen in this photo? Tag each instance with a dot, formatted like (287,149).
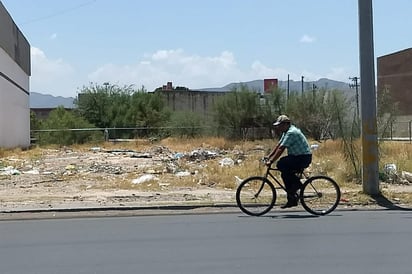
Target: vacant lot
(177,172)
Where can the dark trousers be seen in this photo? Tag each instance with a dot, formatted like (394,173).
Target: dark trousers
(288,166)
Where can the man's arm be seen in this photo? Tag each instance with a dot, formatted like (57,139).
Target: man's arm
(275,154)
(273,151)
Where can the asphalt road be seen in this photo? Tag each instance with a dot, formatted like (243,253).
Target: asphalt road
(282,242)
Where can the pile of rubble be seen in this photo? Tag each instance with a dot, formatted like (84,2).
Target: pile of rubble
(99,177)
(67,178)
(391,174)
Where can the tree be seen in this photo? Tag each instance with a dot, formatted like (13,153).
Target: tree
(237,111)
(186,124)
(57,129)
(387,110)
(277,100)
(34,122)
(93,103)
(316,113)
(148,109)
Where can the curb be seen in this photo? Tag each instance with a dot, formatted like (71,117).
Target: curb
(174,208)
(158,210)
(118,208)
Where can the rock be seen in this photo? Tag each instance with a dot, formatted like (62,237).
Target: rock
(407,176)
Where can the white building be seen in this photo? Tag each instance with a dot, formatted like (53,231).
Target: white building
(14,84)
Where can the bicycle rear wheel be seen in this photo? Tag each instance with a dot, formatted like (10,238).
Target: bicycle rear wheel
(320,195)
(256,196)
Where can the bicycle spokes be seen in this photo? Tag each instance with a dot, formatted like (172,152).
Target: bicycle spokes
(255,196)
(320,195)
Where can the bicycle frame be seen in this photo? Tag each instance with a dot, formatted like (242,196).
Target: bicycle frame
(269,175)
(318,195)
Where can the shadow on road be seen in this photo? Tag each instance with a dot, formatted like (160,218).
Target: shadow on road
(293,216)
(386,203)
(285,216)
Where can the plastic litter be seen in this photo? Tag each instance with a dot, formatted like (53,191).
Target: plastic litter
(226,162)
(9,171)
(143,179)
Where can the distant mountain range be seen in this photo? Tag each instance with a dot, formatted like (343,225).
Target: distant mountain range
(293,85)
(38,100)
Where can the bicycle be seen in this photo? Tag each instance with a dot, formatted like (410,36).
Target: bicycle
(256,195)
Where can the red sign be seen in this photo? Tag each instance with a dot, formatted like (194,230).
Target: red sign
(269,85)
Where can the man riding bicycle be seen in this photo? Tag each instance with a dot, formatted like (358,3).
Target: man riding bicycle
(299,157)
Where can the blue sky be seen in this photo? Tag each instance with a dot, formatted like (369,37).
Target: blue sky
(199,44)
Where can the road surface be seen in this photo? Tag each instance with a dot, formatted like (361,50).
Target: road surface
(344,242)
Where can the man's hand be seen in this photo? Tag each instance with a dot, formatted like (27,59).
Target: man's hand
(267,161)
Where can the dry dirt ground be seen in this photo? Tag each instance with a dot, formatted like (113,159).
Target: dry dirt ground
(66,178)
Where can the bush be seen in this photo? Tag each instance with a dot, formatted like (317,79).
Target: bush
(57,129)
(186,124)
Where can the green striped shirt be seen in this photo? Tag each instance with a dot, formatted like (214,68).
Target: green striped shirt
(295,141)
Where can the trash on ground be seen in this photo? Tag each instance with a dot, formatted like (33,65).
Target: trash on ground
(144,179)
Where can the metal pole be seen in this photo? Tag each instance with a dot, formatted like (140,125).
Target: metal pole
(356,86)
(302,84)
(370,170)
(357,97)
(288,88)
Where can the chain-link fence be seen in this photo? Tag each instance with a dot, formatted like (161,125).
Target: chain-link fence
(84,135)
(399,131)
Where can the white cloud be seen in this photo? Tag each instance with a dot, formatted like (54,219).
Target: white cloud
(182,69)
(307,39)
(53,36)
(57,77)
(51,76)
(261,71)
(338,74)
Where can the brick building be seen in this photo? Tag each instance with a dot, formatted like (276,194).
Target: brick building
(395,74)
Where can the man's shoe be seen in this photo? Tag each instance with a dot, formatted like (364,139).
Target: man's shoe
(290,203)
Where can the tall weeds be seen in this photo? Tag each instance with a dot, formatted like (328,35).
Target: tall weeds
(349,137)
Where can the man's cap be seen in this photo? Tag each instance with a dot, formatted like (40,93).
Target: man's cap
(281,119)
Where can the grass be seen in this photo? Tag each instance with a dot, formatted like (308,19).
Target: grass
(397,153)
(327,159)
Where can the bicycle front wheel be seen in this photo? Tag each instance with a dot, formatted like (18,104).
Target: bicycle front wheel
(320,195)
(256,196)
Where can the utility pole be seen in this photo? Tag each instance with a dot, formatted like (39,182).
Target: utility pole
(288,89)
(314,88)
(356,85)
(302,84)
(370,170)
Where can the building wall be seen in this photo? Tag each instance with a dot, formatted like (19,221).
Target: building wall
(201,102)
(14,84)
(395,73)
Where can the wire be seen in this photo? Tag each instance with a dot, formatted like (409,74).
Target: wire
(67,10)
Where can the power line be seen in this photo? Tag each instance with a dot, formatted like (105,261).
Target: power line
(64,11)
